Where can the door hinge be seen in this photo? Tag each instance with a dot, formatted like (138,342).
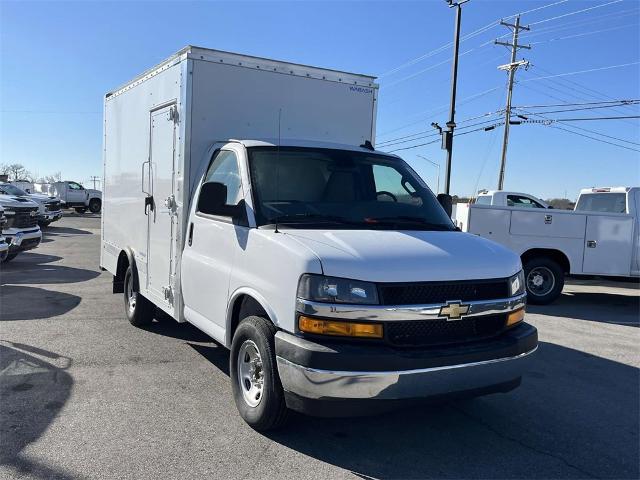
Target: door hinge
(173,114)
(170,203)
(168,294)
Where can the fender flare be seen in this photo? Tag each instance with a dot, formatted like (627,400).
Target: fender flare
(257,297)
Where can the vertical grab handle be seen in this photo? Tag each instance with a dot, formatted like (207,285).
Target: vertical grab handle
(142,186)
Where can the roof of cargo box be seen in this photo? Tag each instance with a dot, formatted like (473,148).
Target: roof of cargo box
(248,61)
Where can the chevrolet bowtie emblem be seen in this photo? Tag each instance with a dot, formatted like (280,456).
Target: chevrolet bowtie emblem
(454,311)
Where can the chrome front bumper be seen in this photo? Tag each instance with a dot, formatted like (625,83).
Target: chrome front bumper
(395,385)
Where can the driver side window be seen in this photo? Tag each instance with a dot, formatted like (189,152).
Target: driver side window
(224,169)
(392,187)
(522,202)
(75,186)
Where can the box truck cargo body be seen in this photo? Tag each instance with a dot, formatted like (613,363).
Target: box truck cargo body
(159,128)
(245,196)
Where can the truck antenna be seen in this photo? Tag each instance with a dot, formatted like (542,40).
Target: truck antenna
(278,166)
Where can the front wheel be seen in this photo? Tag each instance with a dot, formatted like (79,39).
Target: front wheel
(95,205)
(139,310)
(44,224)
(256,385)
(544,278)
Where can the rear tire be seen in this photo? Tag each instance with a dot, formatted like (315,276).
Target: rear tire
(256,385)
(80,209)
(95,205)
(139,310)
(544,279)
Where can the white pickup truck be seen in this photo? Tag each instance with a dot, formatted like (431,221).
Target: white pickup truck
(73,195)
(329,269)
(501,198)
(20,230)
(600,237)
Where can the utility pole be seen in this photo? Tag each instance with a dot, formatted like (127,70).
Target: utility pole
(94,179)
(447,135)
(511,67)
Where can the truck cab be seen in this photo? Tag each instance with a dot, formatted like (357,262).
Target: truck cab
(21,229)
(509,199)
(608,200)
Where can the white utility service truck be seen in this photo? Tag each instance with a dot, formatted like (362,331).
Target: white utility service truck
(601,237)
(243,195)
(72,195)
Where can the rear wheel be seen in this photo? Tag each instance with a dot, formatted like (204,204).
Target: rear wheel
(95,205)
(544,278)
(256,385)
(80,209)
(139,310)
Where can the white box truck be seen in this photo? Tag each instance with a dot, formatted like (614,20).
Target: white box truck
(243,195)
(600,237)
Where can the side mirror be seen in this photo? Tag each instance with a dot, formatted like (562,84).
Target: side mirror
(446,201)
(213,201)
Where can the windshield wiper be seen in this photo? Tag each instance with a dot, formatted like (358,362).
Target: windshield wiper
(304,217)
(407,219)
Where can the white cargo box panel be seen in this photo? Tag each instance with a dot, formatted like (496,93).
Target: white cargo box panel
(210,96)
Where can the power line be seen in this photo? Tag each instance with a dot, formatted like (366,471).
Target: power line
(547,119)
(593,138)
(593,107)
(435,141)
(574,104)
(581,71)
(575,12)
(584,34)
(579,119)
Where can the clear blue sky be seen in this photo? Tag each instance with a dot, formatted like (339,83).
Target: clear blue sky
(57,59)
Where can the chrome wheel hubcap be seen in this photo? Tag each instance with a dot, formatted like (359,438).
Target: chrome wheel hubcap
(250,373)
(131,297)
(540,281)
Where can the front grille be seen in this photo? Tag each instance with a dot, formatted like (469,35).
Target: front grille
(442,292)
(53,206)
(22,218)
(423,333)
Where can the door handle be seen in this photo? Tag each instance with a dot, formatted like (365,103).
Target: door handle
(592,244)
(148,204)
(190,240)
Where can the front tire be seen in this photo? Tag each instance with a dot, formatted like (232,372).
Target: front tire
(544,279)
(138,310)
(44,224)
(95,205)
(255,382)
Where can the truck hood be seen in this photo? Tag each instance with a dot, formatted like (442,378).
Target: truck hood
(407,256)
(13,201)
(42,198)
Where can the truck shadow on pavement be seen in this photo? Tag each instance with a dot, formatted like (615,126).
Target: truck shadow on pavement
(31,303)
(33,390)
(594,306)
(34,268)
(575,415)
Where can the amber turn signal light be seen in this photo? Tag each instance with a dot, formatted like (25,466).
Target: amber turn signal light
(342,329)
(515,317)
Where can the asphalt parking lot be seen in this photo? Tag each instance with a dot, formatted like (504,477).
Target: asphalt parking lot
(83,394)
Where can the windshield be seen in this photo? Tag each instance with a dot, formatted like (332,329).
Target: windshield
(314,188)
(602,202)
(8,189)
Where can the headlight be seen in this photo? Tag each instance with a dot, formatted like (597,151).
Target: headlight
(516,284)
(319,288)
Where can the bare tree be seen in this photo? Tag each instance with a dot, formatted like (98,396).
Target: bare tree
(55,177)
(16,171)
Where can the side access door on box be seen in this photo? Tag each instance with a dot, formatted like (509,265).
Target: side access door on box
(160,205)
(608,245)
